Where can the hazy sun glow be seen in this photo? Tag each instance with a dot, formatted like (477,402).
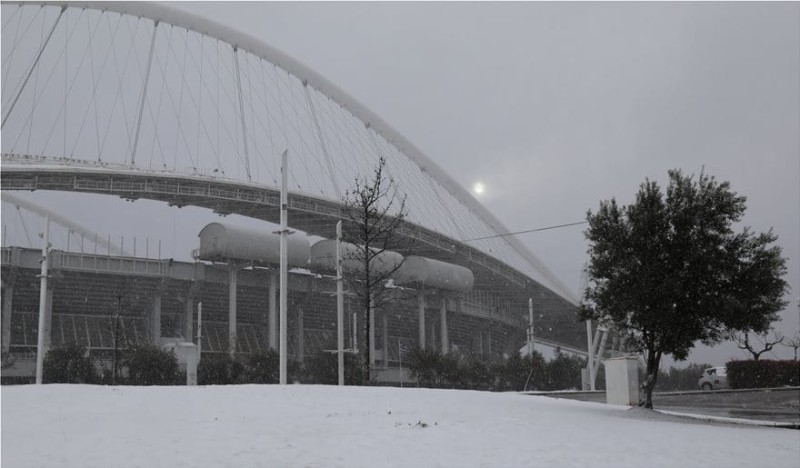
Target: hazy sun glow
(478,188)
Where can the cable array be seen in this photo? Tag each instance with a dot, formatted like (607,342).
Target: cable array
(119,89)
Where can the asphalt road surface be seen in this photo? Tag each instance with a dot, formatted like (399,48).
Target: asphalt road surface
(774,404)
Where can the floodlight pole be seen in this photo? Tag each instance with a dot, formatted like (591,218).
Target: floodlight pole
(339,304)
(40,343)
(284,283)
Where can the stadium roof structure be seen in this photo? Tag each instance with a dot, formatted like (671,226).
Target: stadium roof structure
(143,101)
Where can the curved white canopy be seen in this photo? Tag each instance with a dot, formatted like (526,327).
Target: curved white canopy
(514,252)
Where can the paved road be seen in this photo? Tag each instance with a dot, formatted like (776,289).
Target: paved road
(781,405)
(777,405)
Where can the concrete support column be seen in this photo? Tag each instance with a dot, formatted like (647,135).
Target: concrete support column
(41,333)
(371,333)
(188,319)
(233,275)
(301,352)
(421,302)
(443,327)
(8,294)
(155,319)
(48,318)
(385,340)
(273,313)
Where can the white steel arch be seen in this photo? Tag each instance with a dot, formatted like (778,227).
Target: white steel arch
(161,14)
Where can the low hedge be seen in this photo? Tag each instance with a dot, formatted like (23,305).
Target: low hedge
(257,368)
(462,371)
(220,369)
(324,369)
(763,373)
(68,364)
(151,365)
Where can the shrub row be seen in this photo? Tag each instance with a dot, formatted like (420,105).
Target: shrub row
(149,365)
(145,365)
(224,369)
(435,370)
(677,379)
(763,373)
(263,368)
(432,369)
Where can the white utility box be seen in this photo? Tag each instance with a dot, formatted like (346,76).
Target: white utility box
(188,357)
(622,381)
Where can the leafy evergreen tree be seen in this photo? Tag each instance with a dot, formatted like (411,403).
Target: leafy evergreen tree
(424,365)
(669,271)
(564,372)
(474,374)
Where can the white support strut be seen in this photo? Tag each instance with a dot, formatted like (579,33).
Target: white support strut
(41,342)
(284,280)
(339,305)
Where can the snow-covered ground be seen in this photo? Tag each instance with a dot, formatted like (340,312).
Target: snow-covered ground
(262,425)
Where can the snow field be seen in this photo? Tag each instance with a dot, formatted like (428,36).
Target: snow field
(320,426)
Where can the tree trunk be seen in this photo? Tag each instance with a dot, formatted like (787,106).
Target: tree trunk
(653,361)
(367,343)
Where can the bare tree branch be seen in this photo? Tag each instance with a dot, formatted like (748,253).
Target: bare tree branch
(743,342)
(373,213)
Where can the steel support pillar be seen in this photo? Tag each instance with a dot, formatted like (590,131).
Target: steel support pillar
(443,327)
(233,276)
(284,268)
(371,333)
(155,319)
(301,352)
(188,319)
(8,295)
(421,305)
(273,313)
(339,305)
(385,340)
(48,318)
(42,332)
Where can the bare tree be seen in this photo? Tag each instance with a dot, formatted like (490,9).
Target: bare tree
(119,335)
(793,343)
(745,344)
(373,211)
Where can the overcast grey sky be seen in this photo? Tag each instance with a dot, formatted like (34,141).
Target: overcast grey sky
(555,106)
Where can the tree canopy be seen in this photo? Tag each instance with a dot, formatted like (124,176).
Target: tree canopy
(668,271)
